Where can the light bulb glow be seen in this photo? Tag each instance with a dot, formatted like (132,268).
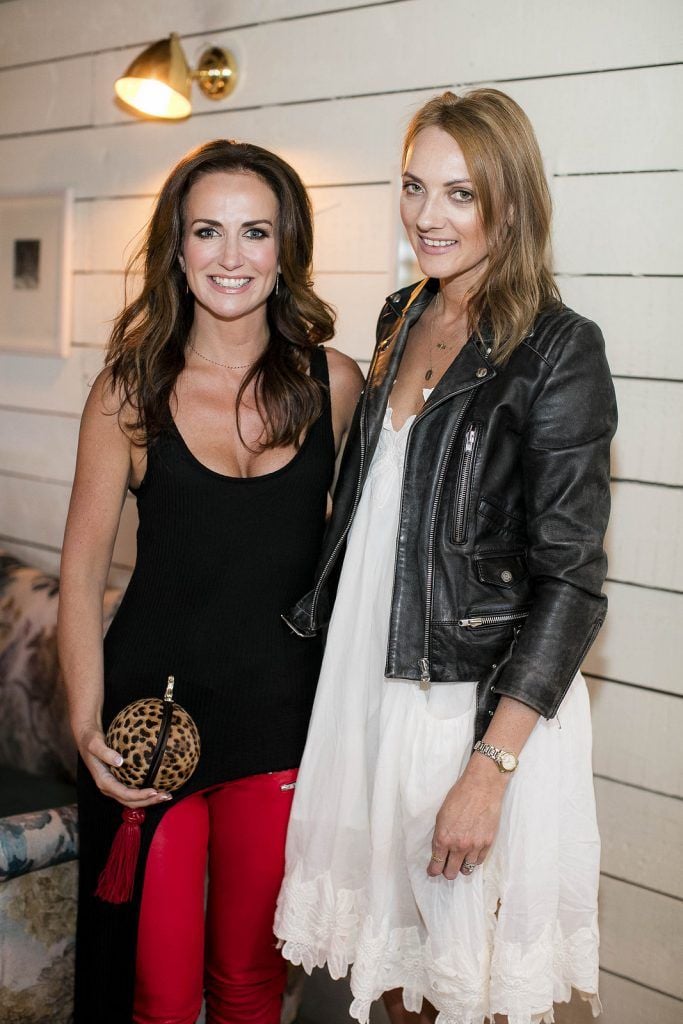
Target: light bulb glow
(152,97)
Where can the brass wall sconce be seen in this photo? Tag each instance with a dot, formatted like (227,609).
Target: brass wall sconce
(158,82)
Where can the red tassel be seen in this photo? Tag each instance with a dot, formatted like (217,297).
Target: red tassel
(117,880)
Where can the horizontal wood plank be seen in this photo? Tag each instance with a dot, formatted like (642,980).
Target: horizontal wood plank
(642,836)
(108,232)
(572,116)
(34,510)
(576,128)
(601,225)
(58,95)
(645,536)
(97,27)
(649,444)
(623,1002)
(353,230)
(41,382)
(641,641)
(358,299)
(636,736)
(492,43)
(49,561)
(97,299)
(38,444)
(639,317)
(641,936)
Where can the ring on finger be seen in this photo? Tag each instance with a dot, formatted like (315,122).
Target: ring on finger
(468,867)
(438,860)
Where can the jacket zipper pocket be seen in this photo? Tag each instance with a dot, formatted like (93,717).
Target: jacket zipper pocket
(494,619)
(464,487)
(423,663)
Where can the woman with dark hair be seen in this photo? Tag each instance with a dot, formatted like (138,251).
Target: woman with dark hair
(222,414)
(443,836)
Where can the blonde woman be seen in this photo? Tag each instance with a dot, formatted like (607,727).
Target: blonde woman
(443,836)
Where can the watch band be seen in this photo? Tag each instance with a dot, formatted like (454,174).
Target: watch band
(505,759)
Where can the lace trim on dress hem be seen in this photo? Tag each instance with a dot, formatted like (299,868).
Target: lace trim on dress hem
(318,925)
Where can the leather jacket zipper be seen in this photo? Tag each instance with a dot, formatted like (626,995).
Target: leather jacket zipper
(356,500)
(423,663)
(493,619)
(462,499)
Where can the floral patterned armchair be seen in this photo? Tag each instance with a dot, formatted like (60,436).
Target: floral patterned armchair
(38,821)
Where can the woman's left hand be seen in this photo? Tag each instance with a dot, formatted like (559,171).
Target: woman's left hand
(467,822)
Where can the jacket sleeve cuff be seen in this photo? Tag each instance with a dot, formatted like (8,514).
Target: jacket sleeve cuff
(300,618)
(544,662)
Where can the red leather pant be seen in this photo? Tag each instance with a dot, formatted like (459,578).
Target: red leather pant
(225,949)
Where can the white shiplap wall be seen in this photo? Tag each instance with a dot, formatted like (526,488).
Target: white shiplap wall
(330,85)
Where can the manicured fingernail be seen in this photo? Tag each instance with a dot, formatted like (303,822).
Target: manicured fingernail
(166,796)
(119,761)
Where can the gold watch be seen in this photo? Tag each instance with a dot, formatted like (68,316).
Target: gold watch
(505,759)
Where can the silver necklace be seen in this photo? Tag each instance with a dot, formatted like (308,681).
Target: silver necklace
(227,366)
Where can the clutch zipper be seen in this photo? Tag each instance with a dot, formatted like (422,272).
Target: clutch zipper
(162,739)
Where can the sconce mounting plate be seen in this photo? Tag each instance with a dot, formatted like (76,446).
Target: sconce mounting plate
(216,73)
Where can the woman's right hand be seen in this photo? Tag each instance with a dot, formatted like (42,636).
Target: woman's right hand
(99,758)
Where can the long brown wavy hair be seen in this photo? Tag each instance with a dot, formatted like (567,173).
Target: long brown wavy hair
(505,165)
(146,349)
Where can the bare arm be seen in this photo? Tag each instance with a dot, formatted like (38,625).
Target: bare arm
(346,382)
(467,822)
(103,470)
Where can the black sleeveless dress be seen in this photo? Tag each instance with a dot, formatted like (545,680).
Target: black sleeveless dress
(218,559)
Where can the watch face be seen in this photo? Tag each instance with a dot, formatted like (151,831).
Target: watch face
(508,761)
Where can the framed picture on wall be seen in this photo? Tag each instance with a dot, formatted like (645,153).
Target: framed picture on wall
(35,273)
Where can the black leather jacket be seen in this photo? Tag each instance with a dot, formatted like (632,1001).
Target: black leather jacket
(505,501)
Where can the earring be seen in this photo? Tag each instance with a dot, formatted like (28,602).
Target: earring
(277,283)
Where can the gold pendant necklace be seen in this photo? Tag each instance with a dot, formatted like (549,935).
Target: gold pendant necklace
(441,345)
(430,372)
(227,366)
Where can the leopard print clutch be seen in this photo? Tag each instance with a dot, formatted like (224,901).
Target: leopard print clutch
(158,741)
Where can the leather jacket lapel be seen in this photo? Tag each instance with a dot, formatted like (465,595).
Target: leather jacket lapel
(469,369)
(390,347)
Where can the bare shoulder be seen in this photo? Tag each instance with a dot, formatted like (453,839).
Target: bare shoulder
(106,403)
(346,382)
(345,373)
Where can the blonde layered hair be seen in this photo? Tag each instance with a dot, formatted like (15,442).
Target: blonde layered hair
(513,199)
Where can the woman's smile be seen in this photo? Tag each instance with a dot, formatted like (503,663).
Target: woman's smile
(231,284)
(437,246)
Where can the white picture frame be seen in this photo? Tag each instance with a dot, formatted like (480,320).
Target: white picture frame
(35,273)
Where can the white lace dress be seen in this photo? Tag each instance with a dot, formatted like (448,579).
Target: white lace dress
(520,931)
